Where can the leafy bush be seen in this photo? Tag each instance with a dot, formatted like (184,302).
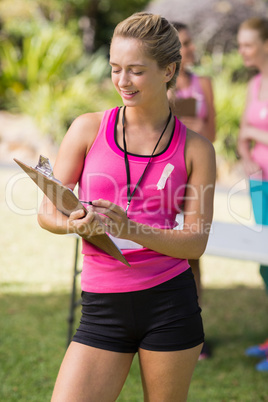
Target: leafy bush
(230,86)
(49,76)
(44,56)
(52,79)
(93,20)
(230,102)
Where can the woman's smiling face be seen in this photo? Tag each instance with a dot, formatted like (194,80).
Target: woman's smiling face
(187,48)
(136,77)
(251,47)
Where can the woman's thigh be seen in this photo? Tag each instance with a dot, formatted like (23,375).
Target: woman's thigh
(91,374)
(166,376)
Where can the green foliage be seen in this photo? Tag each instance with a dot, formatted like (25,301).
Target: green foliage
(22,18)
(43,57)
(47,73)
(229,86)
(54,107)
(45,69)
(230,102)
(230,94)
(52,79)
(109,12)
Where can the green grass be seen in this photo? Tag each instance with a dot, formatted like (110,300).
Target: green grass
(35,282)
(34,331)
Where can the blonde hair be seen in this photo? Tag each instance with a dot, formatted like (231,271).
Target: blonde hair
(257,24)
(159,38)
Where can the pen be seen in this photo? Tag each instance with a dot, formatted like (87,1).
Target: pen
(86,202)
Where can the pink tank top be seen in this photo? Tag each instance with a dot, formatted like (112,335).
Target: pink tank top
(104,176)
(257,116)
(194,90)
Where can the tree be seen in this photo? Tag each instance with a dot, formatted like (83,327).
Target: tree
(94,20)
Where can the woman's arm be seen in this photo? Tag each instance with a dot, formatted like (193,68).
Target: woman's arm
(209,129)
(205,127)
(244,142)
(190,242)
(251,133)
(68,167)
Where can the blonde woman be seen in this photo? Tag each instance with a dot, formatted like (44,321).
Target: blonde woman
(137,164)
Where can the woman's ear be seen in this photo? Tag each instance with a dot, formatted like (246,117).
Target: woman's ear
(170,71)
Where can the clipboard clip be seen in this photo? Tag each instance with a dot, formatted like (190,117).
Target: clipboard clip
(44,166)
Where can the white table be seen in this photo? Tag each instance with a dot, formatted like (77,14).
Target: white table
(237,241)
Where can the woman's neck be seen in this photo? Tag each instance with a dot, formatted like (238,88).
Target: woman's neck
(143,129)
(263,67)
(150,117)
(264,71)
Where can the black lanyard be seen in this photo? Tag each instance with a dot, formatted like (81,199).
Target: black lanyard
(129,193)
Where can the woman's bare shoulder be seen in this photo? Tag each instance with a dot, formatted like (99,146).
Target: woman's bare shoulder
(200,158)
(75,146)
(87,123)
(198,148)
(84,130)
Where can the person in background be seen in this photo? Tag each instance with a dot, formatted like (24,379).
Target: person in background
(190,85)
(253,136)
(137,165)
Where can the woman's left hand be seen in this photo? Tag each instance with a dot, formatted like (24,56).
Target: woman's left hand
(114,217)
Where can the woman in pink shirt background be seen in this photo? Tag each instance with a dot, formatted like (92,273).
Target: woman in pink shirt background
(253,136)
(190,85)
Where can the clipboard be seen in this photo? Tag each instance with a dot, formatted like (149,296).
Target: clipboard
(184,107)
(66,202)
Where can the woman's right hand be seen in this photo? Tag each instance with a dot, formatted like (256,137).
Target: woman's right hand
(85,225)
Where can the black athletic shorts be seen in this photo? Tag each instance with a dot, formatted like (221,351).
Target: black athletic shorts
(166,317)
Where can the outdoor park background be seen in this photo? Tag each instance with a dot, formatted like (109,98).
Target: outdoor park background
(53,67)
